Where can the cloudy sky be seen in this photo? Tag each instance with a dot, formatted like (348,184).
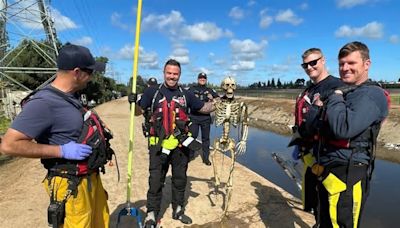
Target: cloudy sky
(252,40)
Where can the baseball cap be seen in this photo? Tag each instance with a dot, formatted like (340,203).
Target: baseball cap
(73,56)
(202,75)
(152,81)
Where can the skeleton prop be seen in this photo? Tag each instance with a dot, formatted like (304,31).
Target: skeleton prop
(229,112)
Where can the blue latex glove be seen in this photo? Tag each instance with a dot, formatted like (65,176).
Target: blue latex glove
(75,151)
(296,154)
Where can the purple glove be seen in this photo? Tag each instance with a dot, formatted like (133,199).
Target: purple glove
(296,153)
(75,151)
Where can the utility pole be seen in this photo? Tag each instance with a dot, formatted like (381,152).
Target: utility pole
(48,25)
(3,33)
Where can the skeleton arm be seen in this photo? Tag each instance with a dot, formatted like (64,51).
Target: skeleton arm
(241,146)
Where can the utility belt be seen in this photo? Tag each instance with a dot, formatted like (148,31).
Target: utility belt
(66,170)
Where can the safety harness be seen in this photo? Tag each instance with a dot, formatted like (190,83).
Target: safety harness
(95,134)
(366,141)
(169,122)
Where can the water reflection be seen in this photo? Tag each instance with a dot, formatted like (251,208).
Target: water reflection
(382,206)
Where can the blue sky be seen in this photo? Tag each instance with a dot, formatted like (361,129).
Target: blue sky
(252,40)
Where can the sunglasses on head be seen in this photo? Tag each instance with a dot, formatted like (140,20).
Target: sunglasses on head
(311,63)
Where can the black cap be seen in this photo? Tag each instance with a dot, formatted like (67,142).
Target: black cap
(152,81)
(74,56)
(202,75)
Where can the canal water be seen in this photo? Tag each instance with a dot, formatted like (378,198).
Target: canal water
(383,204)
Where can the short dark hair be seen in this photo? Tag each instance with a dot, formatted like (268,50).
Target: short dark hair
(172,62)
(311,51)
(352,47)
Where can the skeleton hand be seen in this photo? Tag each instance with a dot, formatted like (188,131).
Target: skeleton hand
(210,97)
(240,147)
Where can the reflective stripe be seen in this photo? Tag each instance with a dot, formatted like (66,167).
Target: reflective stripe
(165,151)
(357,197)
(187,141)
(334,186)
(153,140)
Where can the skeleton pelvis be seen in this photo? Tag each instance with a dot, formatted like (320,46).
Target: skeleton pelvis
(224,145)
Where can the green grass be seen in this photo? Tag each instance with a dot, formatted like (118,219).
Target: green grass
(4,124)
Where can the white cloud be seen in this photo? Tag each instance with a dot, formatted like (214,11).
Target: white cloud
(243,66)
(164,23)
(126,52)
(181,55)
(147,60)
(245,52)
(84,41)
(204,32)
(30,17)
(372,30)
(251,2)
(265,20)
(173,25)
(236,13)
(116,21)
(247,49)
(304,6)
(394,39)
(349,3)
(289,17)
(62,22)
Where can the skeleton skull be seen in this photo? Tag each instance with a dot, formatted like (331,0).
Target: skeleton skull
(229,86)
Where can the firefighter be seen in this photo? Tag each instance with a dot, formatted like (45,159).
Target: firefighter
(200,120)
(170,140)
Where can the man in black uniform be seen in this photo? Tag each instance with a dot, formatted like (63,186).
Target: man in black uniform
(169,140)
(200,120)
(353,119)
(307,115)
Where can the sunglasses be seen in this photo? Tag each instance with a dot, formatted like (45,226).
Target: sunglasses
(311,63)
(88,71)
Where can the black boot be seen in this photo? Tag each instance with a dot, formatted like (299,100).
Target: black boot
(179,214)
(206,162)
(150,220)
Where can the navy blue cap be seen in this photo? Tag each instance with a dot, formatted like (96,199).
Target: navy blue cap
(152,81)
(202,75)
(73,56)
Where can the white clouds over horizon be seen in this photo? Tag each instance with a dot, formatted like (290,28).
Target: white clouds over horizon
(84,41)
(245,52)
(394,39)
(236,13)
(288,16)
(350,3)
(265,20)
(372,30)
(173,24)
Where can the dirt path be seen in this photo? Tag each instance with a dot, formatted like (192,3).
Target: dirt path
(256,202)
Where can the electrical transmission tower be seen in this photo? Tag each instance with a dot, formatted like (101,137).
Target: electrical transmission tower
(29,21)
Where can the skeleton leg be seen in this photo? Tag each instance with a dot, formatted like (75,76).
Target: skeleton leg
(214,153)
(229,184)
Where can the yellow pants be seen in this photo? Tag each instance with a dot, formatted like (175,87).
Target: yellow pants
(89,208)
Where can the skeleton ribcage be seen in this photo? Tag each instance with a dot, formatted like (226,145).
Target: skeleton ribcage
(227,112)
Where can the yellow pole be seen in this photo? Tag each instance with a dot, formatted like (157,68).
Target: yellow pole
(132,116)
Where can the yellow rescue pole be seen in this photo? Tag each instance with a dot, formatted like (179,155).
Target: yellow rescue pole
(129,210)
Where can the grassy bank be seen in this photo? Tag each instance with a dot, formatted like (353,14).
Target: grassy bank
(4,124)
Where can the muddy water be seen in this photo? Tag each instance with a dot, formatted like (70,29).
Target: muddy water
(383,203)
